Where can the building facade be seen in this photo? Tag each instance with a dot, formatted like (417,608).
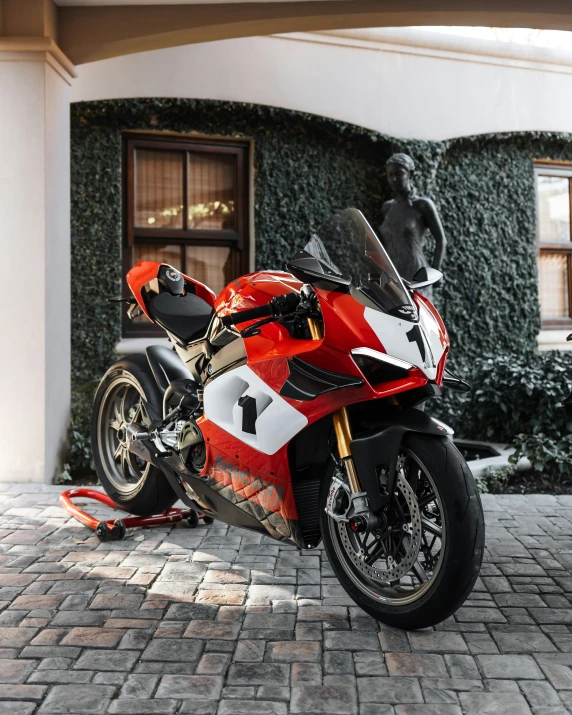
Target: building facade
(277,132)
(407,85)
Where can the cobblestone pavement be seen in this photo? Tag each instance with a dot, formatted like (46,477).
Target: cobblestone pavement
(220,620)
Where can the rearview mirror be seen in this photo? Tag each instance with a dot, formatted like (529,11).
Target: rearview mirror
(308,269)
(424,277)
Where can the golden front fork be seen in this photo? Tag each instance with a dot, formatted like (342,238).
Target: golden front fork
(315,329)
(341,424)
(315,325)
(344,437)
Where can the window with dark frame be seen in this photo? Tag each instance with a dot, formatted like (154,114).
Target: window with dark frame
(554,234)
(185,204)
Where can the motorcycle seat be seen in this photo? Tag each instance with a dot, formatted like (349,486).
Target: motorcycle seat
(186,316)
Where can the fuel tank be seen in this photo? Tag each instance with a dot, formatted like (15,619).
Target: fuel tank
(254,289)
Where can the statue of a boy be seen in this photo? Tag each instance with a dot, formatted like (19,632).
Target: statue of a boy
(406,219)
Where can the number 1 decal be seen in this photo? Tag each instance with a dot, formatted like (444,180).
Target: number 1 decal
(415,336)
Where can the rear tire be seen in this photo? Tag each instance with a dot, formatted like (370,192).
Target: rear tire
(128,391)
(460,555)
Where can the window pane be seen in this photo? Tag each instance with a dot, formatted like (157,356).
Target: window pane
(211,265)
(554,208)
(212,191)
(159,189)
(158,253)
(553,286)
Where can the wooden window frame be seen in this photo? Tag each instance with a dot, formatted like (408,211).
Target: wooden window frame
(558,169)
(238,239)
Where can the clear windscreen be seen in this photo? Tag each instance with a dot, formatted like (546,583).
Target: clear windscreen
(347,245)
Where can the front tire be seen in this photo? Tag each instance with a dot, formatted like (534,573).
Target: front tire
(128,394)
(425,579)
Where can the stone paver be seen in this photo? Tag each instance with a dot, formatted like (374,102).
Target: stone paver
(223,621)
(334,699)
(494,704)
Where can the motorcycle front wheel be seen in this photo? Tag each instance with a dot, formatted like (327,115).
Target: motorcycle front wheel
(420,565)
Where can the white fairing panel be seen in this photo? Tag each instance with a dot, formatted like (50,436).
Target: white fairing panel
(277,421)
(417,343)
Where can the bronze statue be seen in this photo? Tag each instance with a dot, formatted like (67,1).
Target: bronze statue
(406,219)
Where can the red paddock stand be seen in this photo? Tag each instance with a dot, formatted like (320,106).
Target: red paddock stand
(116,529)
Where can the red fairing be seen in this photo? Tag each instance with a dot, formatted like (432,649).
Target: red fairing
(146,271)
(345,329)
(431,308)
(275,373)
(264,479)
(443,335)
(344,325)
(441,369)
(201,290)
(138,277)
(256,289)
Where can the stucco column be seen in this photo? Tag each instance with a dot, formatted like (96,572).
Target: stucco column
(35,81)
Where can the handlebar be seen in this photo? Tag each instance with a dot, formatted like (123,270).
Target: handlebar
(243,316)
(280,305)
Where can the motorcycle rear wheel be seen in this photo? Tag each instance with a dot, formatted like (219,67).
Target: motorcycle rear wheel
(128,394)
(421,572)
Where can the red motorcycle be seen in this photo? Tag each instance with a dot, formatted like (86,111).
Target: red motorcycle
(304,423)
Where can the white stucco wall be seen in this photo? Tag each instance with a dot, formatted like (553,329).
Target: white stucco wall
(404,82)
(22,204)
(34,270)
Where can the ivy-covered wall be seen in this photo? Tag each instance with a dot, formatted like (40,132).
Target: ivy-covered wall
(306,167)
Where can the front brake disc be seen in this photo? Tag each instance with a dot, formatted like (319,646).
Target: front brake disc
(385,569)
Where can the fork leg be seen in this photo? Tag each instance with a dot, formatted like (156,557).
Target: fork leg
(343,431)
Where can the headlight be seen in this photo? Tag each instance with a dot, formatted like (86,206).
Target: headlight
(378,367)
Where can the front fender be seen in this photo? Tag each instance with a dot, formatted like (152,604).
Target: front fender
(379,449)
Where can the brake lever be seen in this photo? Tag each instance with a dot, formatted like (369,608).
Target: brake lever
(305,308)
(255,328)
